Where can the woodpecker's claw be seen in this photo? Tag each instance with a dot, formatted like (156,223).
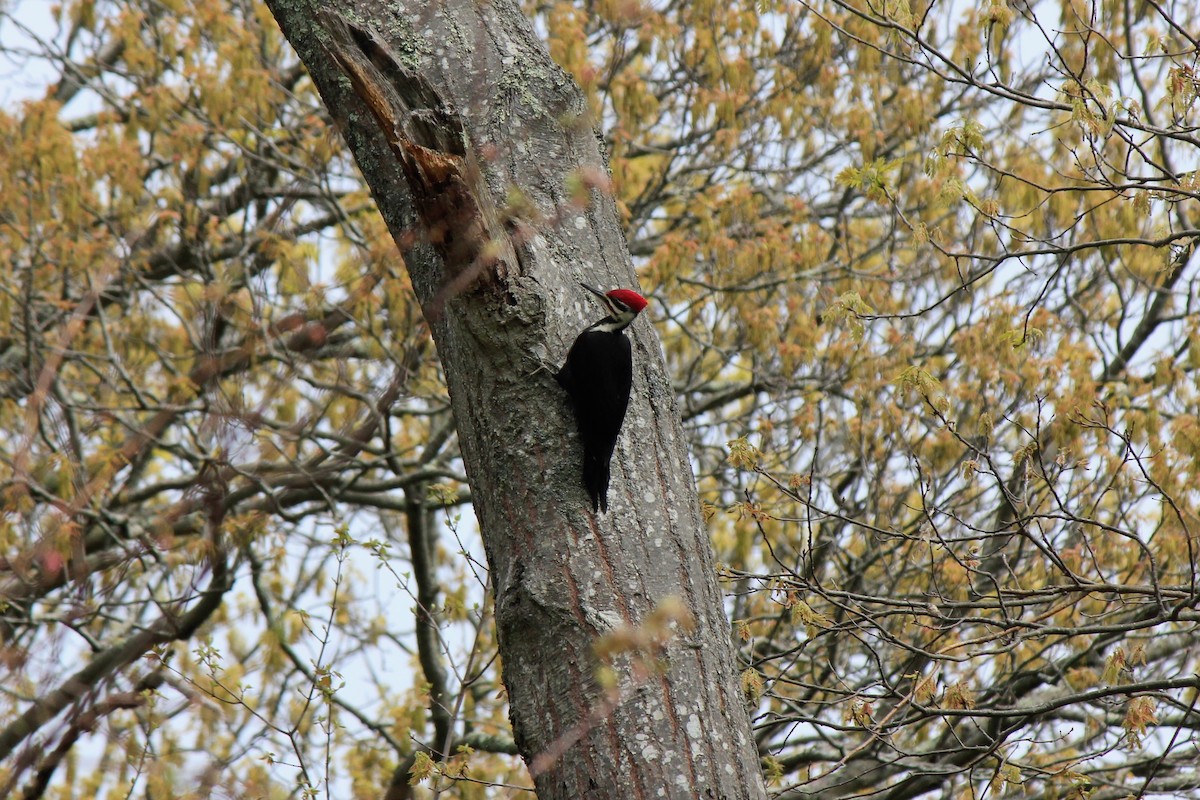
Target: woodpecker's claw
(544,364)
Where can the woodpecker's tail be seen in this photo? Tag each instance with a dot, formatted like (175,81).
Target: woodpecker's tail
(595,479)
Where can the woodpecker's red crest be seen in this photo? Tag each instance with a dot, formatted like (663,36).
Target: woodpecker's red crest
(629,297)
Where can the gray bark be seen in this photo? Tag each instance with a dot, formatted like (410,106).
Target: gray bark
(448,108)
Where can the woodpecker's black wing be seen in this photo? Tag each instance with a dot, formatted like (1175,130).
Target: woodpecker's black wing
(598,376)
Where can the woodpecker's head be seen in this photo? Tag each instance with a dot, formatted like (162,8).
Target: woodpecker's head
(623,306)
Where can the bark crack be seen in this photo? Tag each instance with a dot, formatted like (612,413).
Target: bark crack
(429,141)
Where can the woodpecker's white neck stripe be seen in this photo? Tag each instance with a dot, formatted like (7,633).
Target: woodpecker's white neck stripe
(611,324)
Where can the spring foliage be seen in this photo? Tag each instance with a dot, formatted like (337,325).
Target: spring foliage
(924,274)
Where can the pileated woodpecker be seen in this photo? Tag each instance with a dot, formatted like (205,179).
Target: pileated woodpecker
(598,375)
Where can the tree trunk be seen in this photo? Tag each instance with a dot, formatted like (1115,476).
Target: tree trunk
(484,163)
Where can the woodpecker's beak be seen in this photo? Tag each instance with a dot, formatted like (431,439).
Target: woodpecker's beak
(603,297)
